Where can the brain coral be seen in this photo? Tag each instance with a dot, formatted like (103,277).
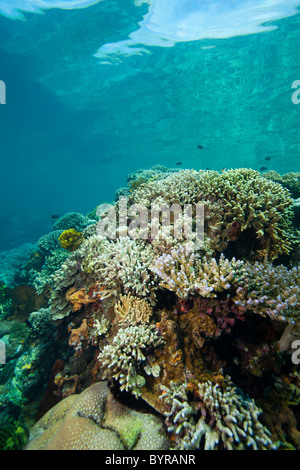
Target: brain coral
(95,420)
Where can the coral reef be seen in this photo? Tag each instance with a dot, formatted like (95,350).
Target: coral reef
(200,335)
(237,202)
(73,220)
(291,181)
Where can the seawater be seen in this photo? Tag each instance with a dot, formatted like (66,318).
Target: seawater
(96,90)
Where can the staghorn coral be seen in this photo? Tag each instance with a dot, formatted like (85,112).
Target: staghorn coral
(122,265)
(268,290)
(227,419)
(96,420)
(260,287)
(184,273)
(126,357)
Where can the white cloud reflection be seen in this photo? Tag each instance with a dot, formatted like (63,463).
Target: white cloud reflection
(170,21)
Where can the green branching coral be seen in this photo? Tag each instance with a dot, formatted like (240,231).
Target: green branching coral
(125,358)
(235,418)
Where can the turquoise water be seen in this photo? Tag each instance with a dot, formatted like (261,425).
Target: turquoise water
(96,92)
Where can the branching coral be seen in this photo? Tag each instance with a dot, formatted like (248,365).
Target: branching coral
(184,273)
(122,265)
(132,310)
(233,418)
(177,270)
(268,290)
(125,358)
(259,287)
(235,201)
(227,419)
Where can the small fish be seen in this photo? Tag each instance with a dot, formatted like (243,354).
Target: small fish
(178,163)
(55,216)
(263,168)
(200,147)
(267,158)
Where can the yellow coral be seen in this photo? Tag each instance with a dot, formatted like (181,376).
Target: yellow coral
(132,310)
(70,239)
